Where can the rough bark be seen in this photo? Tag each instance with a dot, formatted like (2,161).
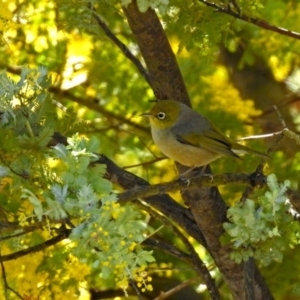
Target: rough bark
(166,78)
(209,211)
(206,204)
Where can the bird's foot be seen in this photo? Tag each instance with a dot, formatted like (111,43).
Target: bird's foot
(198,173)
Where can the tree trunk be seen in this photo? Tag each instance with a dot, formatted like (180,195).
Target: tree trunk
(206,204)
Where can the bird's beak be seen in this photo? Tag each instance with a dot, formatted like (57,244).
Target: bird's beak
(146,115)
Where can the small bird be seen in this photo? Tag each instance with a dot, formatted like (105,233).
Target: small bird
(188,137)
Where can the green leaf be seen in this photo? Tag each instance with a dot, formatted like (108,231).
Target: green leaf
(37,206)
(143,257)
(60,192)
(56,211)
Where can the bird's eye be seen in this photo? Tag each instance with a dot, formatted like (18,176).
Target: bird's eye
(161,115)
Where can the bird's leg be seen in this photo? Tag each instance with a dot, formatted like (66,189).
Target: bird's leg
(182,175)
(202,173)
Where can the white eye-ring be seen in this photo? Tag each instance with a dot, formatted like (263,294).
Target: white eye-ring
(161,115)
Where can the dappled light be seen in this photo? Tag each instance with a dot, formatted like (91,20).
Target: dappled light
(105,187)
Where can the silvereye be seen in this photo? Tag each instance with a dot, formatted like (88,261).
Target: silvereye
(189,138)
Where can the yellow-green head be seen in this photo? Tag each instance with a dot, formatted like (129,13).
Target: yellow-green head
(164,114)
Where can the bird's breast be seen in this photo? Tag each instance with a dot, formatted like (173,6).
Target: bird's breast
(185,154)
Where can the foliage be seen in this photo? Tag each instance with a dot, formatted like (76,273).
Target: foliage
(265,229)
(47,185)
(60,72)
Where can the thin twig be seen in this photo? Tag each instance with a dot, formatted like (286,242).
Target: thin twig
(281,119)
(92,103)
(259,136)
(167,248)
(164,269)
(15,226)
(255,21)
(6,285)
(145,163)
(23,175)
(236,6)
(134,286)
(249,189)
(89,102)
(193,258)
(176,289)
(287,100)
(121,46)
(17,234)
(36,248)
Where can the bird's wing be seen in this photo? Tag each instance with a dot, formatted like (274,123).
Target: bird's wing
(202,134)
(211,140)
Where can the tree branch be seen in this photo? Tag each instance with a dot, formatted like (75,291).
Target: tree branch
(181,185)
(176,289)
(193,259)
(89,102)
(38,247)
(92,103)
(6,285)
(255,21)
(163,203)
(167,248)
(249,189)
(121,46)
(21,230)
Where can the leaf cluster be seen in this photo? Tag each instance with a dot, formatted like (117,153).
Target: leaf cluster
(264,229)
(50,186)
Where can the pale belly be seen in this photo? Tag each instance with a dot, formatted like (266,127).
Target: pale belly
(185,154)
